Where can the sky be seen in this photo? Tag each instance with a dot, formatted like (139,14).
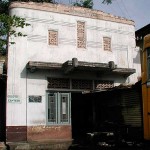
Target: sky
(136,10)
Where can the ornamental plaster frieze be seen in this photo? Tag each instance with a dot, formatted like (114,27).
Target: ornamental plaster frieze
(50,21)
(37,38)
(93,44)
(110,30)
(66,41)
(73,25)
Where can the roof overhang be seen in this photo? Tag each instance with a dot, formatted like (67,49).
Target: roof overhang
(75,65)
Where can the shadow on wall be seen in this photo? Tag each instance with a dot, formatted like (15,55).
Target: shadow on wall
(31,74)
(137,60)
(23,73)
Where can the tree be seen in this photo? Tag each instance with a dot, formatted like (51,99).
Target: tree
(84,3)
(7,23)
(89,3)
(107,1)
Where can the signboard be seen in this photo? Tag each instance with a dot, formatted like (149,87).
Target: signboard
(13,99)
(35,99)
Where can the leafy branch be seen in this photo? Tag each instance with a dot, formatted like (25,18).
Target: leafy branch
(107,1)
(89,3)
(7,26)
(84,3)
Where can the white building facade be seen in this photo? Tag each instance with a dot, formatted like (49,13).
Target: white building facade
(67,50)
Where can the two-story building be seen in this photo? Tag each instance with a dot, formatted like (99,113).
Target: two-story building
(68,50)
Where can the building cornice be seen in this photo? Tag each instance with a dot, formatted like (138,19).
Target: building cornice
(71,10)
(75,65)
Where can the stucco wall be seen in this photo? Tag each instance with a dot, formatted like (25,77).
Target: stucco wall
(36,43)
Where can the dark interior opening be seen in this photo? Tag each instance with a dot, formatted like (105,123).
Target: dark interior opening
(93,112)
(105,112)
(2,109)
(81,111)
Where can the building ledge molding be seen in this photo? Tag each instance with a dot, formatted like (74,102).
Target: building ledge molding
(80,66)
(71,10)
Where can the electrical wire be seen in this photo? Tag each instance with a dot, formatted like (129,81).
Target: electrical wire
(113,9)
(125,9)
(124,15)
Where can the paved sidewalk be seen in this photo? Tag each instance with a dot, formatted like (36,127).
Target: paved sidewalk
(48,145)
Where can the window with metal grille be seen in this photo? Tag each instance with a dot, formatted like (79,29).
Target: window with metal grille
(107,43)
(103,84)
(78,84)
(58,108)
(60,83)
(81,35)
(52,113)
(82,84)
(64,111)
(53,37)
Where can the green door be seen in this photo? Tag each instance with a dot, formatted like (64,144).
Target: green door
(58,109)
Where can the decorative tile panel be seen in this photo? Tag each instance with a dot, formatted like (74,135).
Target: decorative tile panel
(82,84)
(103,84)
(60,83)
(107,43)
(53,37)
(78,84)
(81,39)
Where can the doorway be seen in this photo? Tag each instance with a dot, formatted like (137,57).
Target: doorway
(81,114)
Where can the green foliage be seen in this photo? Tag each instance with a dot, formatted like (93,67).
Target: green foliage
(7,23)
(4,6)
(89,3)
(7,26)
(84,3)
(107,1)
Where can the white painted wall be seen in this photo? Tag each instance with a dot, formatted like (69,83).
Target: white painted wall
(34,47)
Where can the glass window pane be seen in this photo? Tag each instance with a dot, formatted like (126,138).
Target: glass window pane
(51,108)
(59,108)
(64,114)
